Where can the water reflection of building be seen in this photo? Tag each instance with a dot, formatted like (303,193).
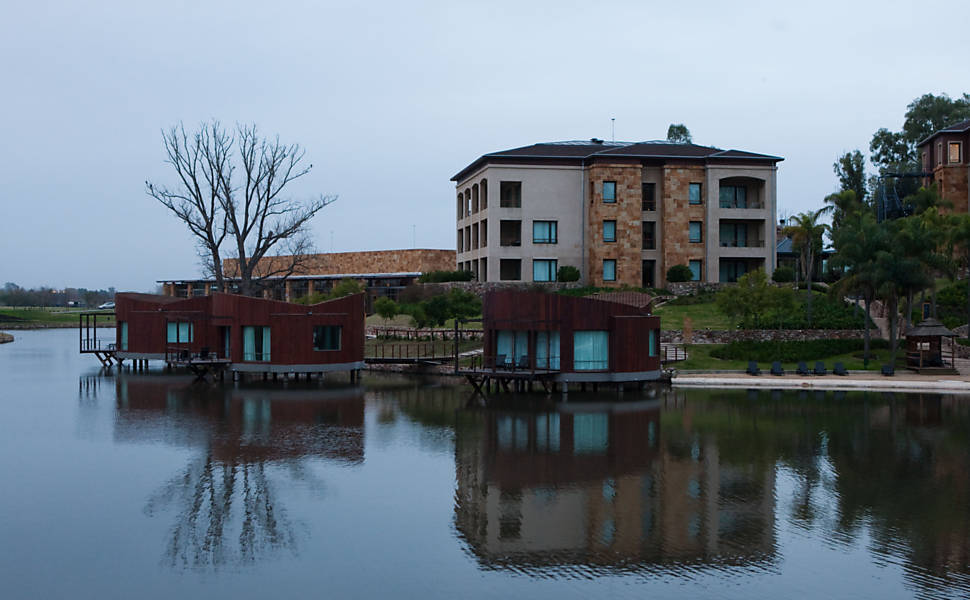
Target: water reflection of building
(599,486)
(242,423)
(225,500)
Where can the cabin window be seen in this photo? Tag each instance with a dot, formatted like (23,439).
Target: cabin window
(547,350)
(123,326)
(544,269)
(512,347)
(179,333)
(649,202)
(653,342)
(609,192)
(591,433)
(694,193)
(326,337)
(591,350)
(256,344)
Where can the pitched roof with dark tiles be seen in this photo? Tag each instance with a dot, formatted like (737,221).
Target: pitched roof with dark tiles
(581,150)
(961,127)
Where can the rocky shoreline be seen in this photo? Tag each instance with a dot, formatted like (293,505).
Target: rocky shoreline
(5,338)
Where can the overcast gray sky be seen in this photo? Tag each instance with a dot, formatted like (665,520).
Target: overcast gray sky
(391,99)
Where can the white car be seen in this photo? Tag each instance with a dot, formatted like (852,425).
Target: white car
(107,305)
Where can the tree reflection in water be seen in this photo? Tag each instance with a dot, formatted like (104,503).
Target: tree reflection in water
(227,509)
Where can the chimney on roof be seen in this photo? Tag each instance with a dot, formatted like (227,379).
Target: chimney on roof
(596,140)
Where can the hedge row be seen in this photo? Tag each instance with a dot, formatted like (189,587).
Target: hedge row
(791,351)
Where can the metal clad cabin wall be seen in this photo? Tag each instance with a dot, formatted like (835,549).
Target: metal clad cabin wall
(536,311)
(630,344)
(146,317)
(291,333)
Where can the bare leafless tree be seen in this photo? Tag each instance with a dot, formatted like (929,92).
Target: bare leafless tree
(250,210)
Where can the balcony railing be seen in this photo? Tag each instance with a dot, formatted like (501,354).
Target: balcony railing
(747,205)
(742,244)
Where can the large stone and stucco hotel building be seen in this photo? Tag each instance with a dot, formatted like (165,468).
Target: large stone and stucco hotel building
(622,213)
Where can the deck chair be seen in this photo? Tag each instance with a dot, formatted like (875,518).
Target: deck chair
(820,368)
(204,353)
(776,368)
(802,368)
(753,368)
(499,361)
(839,369)
(523,362)
(888,370)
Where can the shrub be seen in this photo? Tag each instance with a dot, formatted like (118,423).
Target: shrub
(567,274)
(792,351)
(443,276)
(679,273)
(783,275)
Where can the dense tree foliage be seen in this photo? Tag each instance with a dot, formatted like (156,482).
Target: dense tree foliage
(13,295)
(679,134)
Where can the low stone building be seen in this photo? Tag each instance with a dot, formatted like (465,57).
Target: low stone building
(381,272)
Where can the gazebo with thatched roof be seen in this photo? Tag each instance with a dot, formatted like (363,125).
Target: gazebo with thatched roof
(924,347)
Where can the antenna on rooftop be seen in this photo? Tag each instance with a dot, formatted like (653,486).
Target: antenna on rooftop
(612,129)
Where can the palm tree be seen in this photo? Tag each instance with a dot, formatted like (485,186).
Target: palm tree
(806,235)
(843,206)
(856,244)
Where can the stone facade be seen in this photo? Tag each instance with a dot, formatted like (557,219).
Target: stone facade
(376,261)
(951,184)
(678,213)
(625,212)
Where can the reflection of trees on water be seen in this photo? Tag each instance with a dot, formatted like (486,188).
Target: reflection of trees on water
(593,488)
(216,502)
(226,504)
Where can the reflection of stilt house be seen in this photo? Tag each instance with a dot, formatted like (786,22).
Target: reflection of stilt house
(571,339)
(241,333)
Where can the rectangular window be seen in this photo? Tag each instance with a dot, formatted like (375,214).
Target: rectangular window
(609,270)
(649,200)
(461,241)
(648,280)
(547,350)
(484,232)
(695,270)
(326,337)
(543,270)
(510,194)
(256,343)
(733,196)
(609,231)
(695,193)
(123,325)
(511,347)
(510,269)
(510,233)
(591,350)
(649,235)
(609,191)
(953,154)
(734,235)
(939,153)
(544,232)
(180,333)
(653,342)
(695,232)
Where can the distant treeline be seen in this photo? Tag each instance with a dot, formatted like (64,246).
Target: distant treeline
(14,295)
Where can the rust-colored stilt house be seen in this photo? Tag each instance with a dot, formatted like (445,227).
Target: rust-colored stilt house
(244,334)
(571,339)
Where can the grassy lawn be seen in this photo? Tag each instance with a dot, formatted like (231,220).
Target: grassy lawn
(699,357)
(704,316)
(404,321)
(12,317)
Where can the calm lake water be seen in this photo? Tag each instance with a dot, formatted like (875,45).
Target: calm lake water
(150,486)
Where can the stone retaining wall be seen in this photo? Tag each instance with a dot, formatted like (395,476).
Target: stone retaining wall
(480,287)
(712,336)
